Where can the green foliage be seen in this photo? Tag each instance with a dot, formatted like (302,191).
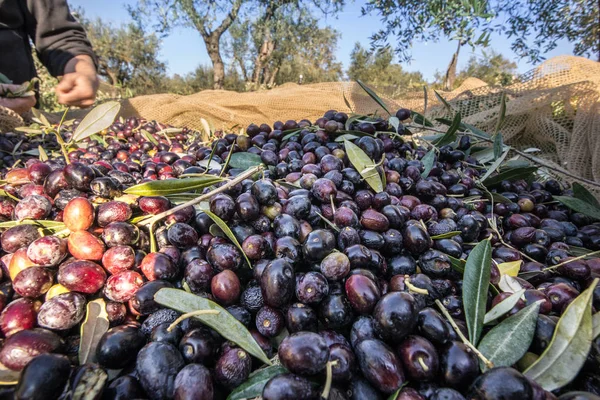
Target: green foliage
(283,44)
(377,69)
(492,68)
(430,20)
(127,56)
(551,21)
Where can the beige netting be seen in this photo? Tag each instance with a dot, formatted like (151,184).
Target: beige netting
(554,108)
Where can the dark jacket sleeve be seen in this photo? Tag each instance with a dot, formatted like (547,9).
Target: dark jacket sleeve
(57,36)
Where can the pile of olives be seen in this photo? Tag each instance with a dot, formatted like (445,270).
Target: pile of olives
(343,281)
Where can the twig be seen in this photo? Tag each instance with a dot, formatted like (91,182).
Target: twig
(245,175)
(189,315)
(552,268)
(487,362)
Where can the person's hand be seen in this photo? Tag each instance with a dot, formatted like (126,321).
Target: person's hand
(20,105)
(79,84)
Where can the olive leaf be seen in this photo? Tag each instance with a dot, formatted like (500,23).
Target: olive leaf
(510,268)
(569,347)
(596,325)
(40,117)
(4,78)
(492,168)
(443,101)
(8,377)
(364,165)
(497,198)
(374,96)
(244,160)
(509,284)
(476,282)
(510,174)
(395,122)
(223,322)
(48,226)
(457,264)
(420,119)
(225,228)
(172,186)
(579,251)
(508,341)
(394,396)
(503,307)
(255,383)
(100,118)
(347,136)
(446,235)
(43,154)
(428,161)
(149,137)
(450,135)
(579,206)
(581,193)
(93,327)
(498,145)
(501,114)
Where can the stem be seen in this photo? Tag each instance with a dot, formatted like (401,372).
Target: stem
(413,288)
(59,138)
(247,174)
(487,362)
(552,268)
(189,315)
(422,364)
(329,374)
(541,162)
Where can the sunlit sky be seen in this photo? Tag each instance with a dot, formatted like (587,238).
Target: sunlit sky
(184,49)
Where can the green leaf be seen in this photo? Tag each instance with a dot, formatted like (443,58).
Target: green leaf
(95,325)
(8,377)
(583,194)
(450,135)
(225,228)
(100,118)
(43,154)
(420,119)
(498,145)
(223,322)
(501,114)
(596,325)
(579,251)
(172,186)
(508,341)
(293,132)
(364,165)
(41,117)
(149,137)
(476,130)
(446,235)
(476,282)
(41,223)
(428,161)
(509,174)
(394,396)
(443,101)
(503,307)
(347,136)
(457,264)
(498,198)
(579,206)
(395,122)
(492,168)
(569,347)
(255,383)
(4,78)
(244,160)
(374,96)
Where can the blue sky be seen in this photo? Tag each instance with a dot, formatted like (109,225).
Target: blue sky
(183,49)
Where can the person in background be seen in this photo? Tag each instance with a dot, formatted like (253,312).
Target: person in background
(61,45)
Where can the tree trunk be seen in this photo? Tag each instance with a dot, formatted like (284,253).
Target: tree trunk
(451,71)
(266,49)
(213,49)
(272,78)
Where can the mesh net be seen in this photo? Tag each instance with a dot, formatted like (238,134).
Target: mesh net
(553,108)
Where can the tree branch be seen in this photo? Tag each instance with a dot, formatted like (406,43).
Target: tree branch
(231,17)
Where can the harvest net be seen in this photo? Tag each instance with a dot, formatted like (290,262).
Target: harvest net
(554,108)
